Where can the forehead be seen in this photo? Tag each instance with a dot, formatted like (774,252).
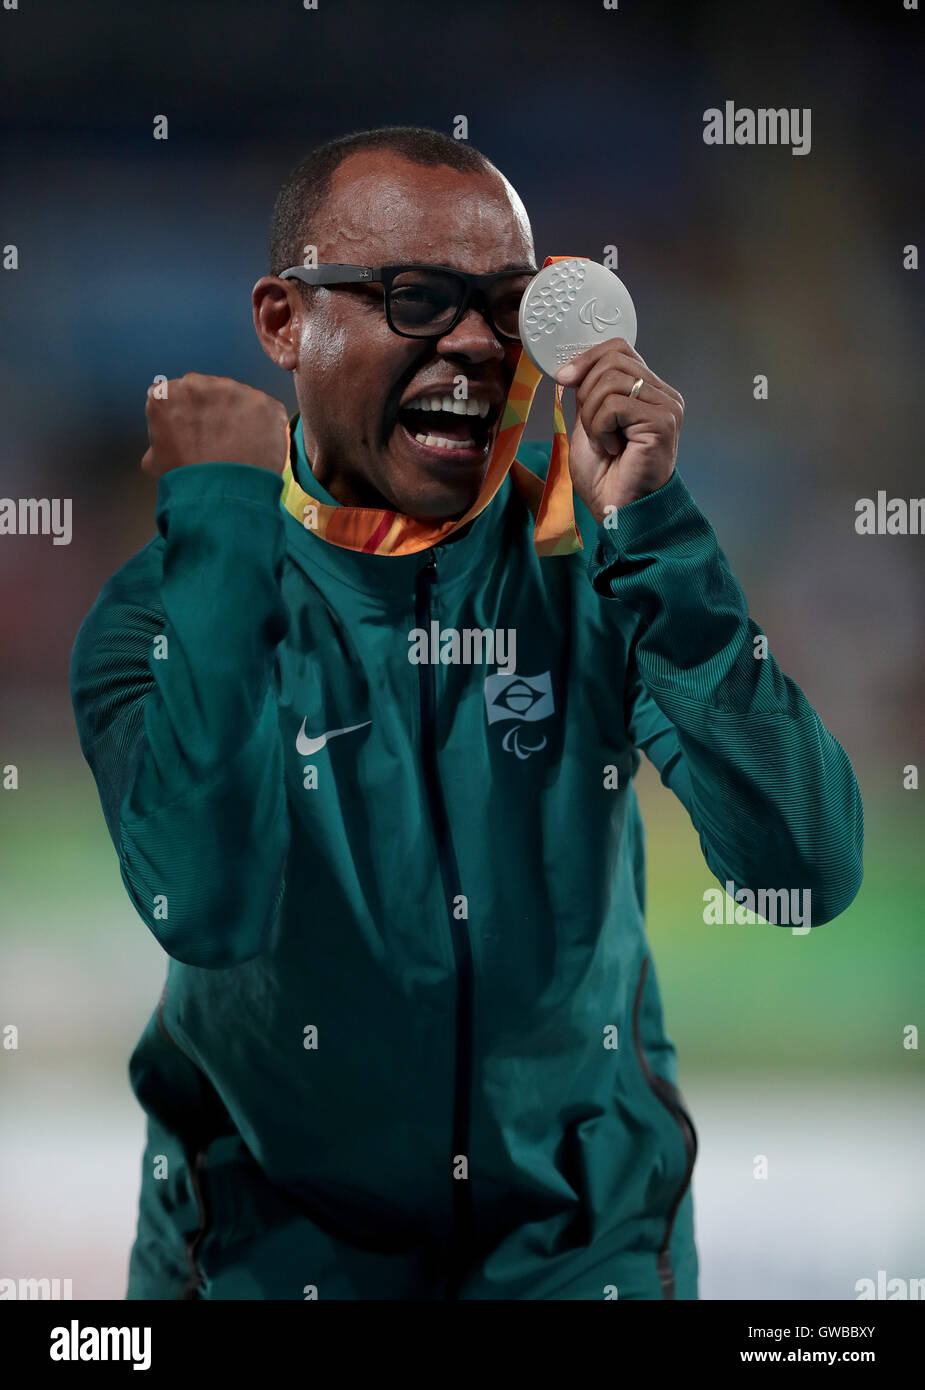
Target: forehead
(382,209)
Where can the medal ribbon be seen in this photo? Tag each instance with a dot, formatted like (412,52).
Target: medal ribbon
(379,532)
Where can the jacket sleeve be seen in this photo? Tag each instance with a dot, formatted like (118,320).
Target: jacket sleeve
(769,790)
(172,682)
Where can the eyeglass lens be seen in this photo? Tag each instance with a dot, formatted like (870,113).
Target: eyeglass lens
(425,302)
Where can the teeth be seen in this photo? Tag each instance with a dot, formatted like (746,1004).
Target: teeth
(441,443)
(471,407)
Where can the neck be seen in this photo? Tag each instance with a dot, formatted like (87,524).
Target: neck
(349,491)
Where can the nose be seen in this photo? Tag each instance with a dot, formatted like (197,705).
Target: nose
(473,338)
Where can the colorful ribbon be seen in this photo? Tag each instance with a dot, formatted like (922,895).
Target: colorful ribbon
(380,532)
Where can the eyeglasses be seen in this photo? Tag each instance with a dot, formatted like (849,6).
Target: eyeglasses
(427,301)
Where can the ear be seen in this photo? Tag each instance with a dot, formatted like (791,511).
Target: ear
(277,312)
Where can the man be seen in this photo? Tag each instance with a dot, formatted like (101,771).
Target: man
(411,1042)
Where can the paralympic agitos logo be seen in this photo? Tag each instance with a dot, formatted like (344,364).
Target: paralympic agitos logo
(589,313)
(523,699)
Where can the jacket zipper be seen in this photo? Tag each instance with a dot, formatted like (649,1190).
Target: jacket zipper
(670,1097)
(459,932)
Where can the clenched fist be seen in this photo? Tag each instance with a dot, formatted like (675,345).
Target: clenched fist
(212,419)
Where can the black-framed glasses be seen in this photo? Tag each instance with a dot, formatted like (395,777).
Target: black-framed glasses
(427,301)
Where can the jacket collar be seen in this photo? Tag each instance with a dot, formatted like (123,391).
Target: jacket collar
(458,557)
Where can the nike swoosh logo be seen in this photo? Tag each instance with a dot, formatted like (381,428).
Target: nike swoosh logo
(306,745)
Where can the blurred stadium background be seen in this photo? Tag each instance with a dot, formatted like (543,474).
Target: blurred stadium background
(137,257)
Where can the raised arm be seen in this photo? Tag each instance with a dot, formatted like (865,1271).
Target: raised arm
(172,680)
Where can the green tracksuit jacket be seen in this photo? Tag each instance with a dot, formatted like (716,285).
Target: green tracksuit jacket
(411,1042)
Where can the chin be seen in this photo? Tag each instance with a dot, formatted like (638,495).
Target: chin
(435,506)
(435,484)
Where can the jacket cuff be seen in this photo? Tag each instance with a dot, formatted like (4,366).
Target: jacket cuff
(206,482)
(645,531)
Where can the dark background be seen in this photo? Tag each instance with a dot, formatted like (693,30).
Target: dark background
(137,257)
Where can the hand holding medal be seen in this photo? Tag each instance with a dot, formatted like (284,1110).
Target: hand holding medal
(578,325)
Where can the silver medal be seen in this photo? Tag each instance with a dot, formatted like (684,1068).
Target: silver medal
(571,306)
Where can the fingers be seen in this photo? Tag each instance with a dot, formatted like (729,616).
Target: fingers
(196,418)
(147,460)
(603,379)
(626,371)
(610,413)
(574,372)
(605,404)
(606,378)
(584,371)
(157,394)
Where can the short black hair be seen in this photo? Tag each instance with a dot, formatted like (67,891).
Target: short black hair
(304,191)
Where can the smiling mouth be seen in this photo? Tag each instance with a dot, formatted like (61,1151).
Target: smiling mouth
(440,422)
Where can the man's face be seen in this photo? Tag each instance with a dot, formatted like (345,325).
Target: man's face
(355,378)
